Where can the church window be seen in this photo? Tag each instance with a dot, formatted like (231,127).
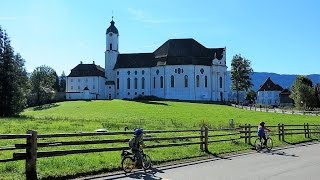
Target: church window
(179,70)
(71,87)
(202,70)
(109,87)
(128,72)
(128,83)
(142,93)
(161,81)
(172,81)
(135,72)
(117,72)
(93,87)
(154,82)
(117,83)
(135,93)
(71,80)
(135,83)
(78,87)
(78,80)
(220,82)
(110,46)
(175,70)
(142,72)
(198,80)
(206,81)
(157,71)
(128,93)
(142,83)
(185,81)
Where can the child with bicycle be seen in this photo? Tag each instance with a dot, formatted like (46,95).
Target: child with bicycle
(261,132)
(136,143)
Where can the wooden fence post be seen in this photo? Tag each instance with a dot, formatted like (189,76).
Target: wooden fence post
(245,134)
(279,132)
(206,133)
(308,130)
(249,133)
(305,130)
(282,133)
(201,138)
(31,159)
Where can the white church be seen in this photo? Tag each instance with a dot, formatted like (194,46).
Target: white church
(180,69)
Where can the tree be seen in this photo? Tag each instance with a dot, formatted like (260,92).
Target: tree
(43,80)
(251,96)
(240,74)
(63,82)
(303,93)
(13,79)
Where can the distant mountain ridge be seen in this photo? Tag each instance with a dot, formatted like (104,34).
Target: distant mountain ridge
(284,80)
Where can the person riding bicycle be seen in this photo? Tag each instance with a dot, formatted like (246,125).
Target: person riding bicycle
(136,143)
(261,132)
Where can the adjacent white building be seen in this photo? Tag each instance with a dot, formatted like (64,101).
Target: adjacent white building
(269,93)
(179,69)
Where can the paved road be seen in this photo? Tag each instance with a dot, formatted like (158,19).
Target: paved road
(294,163)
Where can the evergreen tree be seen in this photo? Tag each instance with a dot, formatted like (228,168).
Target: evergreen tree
(63,82)
(240,74)
(43,80)
(13,79)
(303,93)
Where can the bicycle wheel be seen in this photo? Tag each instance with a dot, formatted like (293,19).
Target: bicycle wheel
(146,162)
(258,145)
(127,164)
(269,144)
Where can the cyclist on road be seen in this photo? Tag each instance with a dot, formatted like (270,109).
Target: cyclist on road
(261,132)
(136,143)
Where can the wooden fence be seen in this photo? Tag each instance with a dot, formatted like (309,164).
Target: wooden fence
(202,137)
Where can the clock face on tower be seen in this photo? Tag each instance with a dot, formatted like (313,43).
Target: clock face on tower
(110,34)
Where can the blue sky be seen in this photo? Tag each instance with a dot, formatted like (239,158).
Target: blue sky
(281,36)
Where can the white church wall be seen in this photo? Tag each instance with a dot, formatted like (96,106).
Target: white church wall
(202,89)
(132,73)
(156,74)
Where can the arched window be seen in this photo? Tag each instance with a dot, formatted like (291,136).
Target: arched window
(128,83)
(220,82)
(161,81)
(135,83)
(185,81)
(206,81)
(117,83)
(172,81)
(142,83)
(154,82)
(198,80)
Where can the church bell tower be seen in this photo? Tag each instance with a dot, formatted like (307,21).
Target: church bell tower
(111,53)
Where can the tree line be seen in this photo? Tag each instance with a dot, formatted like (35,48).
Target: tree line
(304,93)
(19,89)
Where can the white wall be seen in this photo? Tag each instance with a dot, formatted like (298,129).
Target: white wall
(268,97)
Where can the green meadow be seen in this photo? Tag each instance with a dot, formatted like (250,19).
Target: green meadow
(115,115)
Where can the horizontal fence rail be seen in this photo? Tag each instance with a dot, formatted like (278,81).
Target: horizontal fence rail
(202,137)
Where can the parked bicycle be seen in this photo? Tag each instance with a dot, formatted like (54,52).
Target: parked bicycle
(259,143)
(129,161)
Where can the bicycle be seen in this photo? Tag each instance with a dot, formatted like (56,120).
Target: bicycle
(258,143)
(129,161)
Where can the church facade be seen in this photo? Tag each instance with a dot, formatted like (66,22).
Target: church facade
(181,69)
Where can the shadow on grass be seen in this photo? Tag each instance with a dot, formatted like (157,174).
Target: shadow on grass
(45,106)
(151,102)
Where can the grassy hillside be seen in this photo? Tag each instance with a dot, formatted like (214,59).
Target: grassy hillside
(83,116)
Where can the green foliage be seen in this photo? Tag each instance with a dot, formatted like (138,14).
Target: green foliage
(13,79)
(63,82)
(43,80)
(303,94)
(240,74)
(251,96)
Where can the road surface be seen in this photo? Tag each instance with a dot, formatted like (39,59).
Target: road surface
(294,163)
